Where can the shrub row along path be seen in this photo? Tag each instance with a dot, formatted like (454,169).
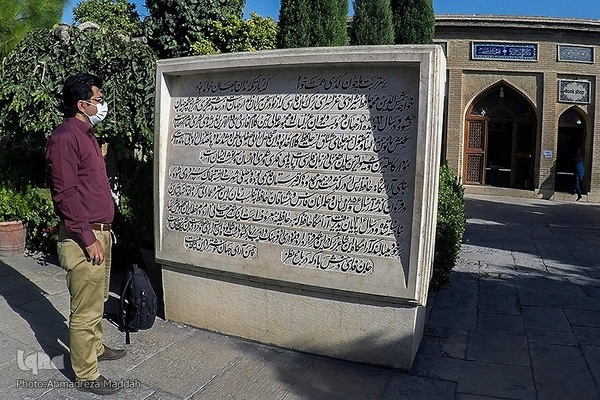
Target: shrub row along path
(520,321)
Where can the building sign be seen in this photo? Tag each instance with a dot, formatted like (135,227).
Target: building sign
(504,51)
(547,153)
(574,91)
(581,54)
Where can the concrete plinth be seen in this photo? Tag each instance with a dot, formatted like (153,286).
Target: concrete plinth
(376,333)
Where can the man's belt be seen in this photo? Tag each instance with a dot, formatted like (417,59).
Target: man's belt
(99,227)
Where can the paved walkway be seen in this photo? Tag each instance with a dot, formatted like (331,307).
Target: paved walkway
(520,321)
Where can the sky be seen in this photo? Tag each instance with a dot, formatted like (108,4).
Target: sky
(587,9)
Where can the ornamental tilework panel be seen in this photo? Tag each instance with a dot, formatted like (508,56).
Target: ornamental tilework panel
(581,54)
(504,51)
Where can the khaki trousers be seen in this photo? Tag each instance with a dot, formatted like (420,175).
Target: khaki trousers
(88,287)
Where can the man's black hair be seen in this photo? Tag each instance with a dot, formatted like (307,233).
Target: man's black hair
(78,87)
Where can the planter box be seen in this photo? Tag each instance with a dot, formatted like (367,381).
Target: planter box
(12,238)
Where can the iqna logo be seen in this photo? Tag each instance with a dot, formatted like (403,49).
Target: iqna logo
(38,361)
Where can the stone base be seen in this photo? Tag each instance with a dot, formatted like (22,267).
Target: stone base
(368,331)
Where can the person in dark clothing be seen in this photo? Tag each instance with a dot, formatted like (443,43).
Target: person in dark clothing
(579,172)
(83,201)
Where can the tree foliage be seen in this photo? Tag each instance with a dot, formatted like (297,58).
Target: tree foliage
(312,23)
(329,23)
(172,26)
(18,17)
(372,23)
(236,34)
(414,21)
(115,15)
(294,24)
(31,80)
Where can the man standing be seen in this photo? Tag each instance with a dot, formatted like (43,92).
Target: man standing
(579,172)
(83,202)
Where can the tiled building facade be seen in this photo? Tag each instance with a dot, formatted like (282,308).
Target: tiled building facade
(521,101)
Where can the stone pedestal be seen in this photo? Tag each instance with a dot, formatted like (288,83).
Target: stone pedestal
(297,195)
(366,331)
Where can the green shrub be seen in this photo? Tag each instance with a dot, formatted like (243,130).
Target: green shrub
(13,204)
(450,227)
(42,226)
(33,205)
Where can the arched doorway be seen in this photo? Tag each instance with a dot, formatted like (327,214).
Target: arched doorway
(571,137)
(500,139)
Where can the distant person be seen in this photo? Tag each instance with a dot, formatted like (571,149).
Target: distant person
(579,171)
(83,201)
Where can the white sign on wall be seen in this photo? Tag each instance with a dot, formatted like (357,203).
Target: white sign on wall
(574,91)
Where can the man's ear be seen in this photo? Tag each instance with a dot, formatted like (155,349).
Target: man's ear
(81,106)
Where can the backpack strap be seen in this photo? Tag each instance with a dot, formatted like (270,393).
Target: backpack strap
(124,287)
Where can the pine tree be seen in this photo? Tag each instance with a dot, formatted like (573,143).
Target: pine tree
(18,17)
(294,24)
(372,22)
(312,23)
(414,21)
(329,26)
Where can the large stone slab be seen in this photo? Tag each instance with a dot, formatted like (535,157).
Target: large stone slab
(316,167)
(561,372)
(310,172)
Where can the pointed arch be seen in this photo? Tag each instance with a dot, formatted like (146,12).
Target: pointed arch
(573,126)
(500,137)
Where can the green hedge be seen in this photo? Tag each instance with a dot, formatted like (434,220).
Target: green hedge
(450,227)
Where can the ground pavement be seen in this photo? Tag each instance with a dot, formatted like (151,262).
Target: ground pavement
(520,321)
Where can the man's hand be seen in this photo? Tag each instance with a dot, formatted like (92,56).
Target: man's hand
(96,253)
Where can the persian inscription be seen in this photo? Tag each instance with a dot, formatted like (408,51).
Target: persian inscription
(317,166)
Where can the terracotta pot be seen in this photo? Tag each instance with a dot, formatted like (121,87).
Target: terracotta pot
(12,238)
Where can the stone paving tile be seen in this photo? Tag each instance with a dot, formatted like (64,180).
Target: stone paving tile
(559,301)
(528,260)
(495,347)
(583,318)
(333,379)
(552,337)
(498,296)
(449,343)
(549,287)
(204,359)
(456,307)
(592,356)
(592,291)
(479,378)
(462,396)
(24,384)
(504,323)
(561,372)
(587,336)
(545,318)
(407,387)
(262,372)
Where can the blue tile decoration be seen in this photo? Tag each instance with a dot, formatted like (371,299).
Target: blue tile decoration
(574,91)
(504,51)
(581,54)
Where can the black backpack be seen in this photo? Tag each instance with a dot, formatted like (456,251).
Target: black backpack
(137,308)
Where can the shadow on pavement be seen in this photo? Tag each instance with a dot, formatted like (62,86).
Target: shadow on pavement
(30,303)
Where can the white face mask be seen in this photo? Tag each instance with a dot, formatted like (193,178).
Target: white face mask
(102,111)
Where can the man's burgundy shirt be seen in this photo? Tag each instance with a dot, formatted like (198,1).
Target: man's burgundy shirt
(78,180)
